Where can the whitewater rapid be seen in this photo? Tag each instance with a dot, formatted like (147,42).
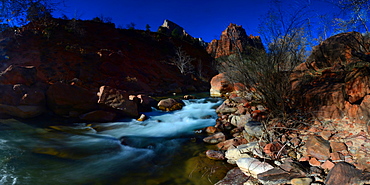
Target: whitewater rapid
(98,153)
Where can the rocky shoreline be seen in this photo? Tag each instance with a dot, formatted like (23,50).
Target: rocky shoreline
(306,151)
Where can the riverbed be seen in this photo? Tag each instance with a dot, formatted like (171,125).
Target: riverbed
(164,149)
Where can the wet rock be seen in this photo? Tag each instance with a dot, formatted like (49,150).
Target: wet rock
(117,100)
(188,97)
(70,101)
(283,173)
(211,130)
(343,174)
(318,147)
(142,117)
(215,138)
(169,104)
(99,116)
(252,166)
(215,155)
(234,177)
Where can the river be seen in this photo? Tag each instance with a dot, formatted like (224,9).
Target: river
(165,149)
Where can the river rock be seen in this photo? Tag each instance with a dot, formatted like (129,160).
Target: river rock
(253,129)
(215,155)
(117,100)
(318,147)
(343,174)
(240,120)
(234,177)
(252,166)
(69,100)
(169,104)
(225,109)
(22,101)
(231,143)
(283,173)
(243,151)
(215,138)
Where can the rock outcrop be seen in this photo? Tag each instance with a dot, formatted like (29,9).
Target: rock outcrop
(233,40)
(334,82)
(69,100)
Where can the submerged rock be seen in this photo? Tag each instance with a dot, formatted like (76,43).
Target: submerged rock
(215,138)
(215,155)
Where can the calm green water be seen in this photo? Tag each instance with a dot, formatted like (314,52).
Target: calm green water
(161,150)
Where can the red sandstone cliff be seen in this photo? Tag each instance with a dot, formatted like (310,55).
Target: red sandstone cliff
(233,40)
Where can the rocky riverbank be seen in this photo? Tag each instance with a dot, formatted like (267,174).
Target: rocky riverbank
(297,151)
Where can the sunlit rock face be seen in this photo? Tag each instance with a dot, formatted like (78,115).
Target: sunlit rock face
(339,51)
(334,82)
(169,27)
(233,39)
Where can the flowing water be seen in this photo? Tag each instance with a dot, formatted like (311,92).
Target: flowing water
(161,150)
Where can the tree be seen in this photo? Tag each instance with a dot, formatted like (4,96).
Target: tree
(131,26)
(354,15)
(147,27)
(286,36)
(16,12)
(182,61)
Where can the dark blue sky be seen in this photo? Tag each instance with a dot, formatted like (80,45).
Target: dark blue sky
(200,18)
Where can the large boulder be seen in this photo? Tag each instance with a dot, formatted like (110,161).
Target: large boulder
(169,104)
(26,75)
(117,100)
(22,101)
(336,51)
(220,85)
(69,100)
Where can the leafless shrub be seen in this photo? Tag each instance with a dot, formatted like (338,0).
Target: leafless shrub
(182,61)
